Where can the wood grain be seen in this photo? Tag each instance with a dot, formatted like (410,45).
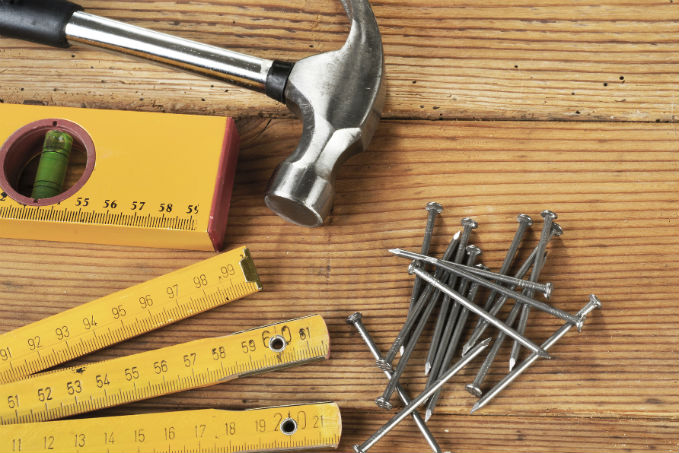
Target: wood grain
(569,95)
(446,59)
(613,387)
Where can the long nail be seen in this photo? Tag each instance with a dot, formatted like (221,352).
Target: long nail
(421,398)
(383,401)
(495,309)
(480,311)
(450,351)
(591,305)
(545,288)
(488,284)
(357,321)
(433,209)
(475,387)
(409,323)
(434,366)
(445,313)
(549,218)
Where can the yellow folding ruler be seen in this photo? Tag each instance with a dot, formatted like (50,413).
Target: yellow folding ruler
(127,313)
(200,363)
(211,430)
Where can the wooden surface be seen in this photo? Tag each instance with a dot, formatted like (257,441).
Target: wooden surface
(578,103)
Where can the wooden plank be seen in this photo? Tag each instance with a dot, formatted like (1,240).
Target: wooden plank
(450,59)
(613,387)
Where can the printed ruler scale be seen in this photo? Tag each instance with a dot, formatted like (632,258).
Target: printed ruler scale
(200,431)
(127,313)
(194,364)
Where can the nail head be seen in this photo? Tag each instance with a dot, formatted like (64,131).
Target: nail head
(434,206)
(354,318)
(524,218)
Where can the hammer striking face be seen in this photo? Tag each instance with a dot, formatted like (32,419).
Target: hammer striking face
(339,95)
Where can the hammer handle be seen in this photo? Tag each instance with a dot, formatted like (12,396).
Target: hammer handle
(60,23)
(41,21)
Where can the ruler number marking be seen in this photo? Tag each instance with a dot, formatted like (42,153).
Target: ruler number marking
(33,342)
(16,444)
(48,442)
(13,401)
(73,387)
(169,433)
(190,359)
(160,366)
(218,353)
(5,353)
(102,381)
(200,280)
(137,205)
(62,332)
(173,291)
(89,322)
(146,301)
(139,436)
(45,393)
(230,428)
(80,440)
(131,373)
(118,311)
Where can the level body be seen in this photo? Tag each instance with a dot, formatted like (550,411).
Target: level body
(200,431)
(151,179)
(127,313)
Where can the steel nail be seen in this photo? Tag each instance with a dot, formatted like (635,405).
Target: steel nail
(549,218)
(593,303)
(421,398)
(488,284)
(524,223)
(434,366)
(451,348)
(383,400)
(545,288)
(482,324)
(433,209)
(479,311)
(445,312)
(356,320)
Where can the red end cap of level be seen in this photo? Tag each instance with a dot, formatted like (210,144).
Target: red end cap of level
(226,174)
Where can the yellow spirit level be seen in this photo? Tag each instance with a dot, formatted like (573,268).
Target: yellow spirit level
(144,179)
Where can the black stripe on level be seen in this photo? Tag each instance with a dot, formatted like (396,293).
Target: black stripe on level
(97,218)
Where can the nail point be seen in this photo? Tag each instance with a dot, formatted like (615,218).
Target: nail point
(512,362)
(427,368)
(427,415)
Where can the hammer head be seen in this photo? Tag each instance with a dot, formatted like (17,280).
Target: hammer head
(339,96)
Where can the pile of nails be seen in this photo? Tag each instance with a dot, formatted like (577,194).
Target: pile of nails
(451,290)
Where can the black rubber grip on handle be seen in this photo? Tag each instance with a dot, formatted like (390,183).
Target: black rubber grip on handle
(41,21)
